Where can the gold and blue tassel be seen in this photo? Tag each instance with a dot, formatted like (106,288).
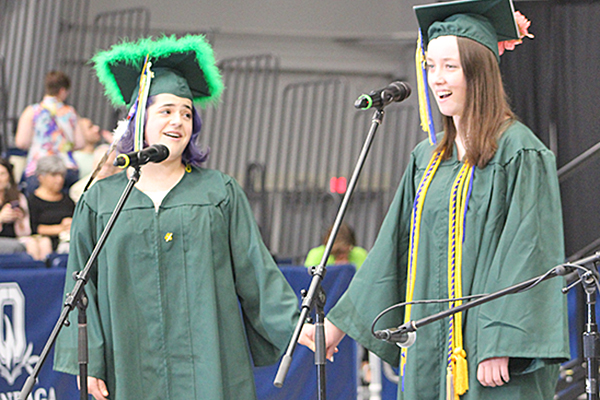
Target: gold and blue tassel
(424,101)
(140,118)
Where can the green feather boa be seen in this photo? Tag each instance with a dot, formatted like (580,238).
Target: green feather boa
(134,53)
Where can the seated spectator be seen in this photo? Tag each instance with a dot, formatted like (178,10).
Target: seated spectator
(84,157)
(107,169)
(50,209)
(344,250)
(15,229)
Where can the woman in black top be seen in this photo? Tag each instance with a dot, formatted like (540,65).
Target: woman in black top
(50,209)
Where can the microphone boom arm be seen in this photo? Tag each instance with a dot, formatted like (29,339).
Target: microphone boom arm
(412,326)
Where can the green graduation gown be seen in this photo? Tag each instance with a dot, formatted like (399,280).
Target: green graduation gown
(513,233)
(182,299)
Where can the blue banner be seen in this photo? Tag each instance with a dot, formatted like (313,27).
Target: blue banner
(32,302)
(301,381)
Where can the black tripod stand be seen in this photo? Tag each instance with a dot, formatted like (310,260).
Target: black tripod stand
(581,375)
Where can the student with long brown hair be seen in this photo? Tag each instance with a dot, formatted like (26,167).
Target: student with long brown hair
(476,212)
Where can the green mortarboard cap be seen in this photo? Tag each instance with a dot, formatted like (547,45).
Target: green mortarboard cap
(485,21)
(184,67)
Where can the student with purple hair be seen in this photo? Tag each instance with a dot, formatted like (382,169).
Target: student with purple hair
(185,297)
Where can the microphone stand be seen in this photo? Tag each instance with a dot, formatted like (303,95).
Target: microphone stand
(77,298)
(591,337)
(589,279)
(315,294)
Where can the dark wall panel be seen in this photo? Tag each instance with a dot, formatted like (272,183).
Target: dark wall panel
(553,84)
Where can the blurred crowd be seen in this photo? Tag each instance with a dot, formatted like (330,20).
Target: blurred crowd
(38,191)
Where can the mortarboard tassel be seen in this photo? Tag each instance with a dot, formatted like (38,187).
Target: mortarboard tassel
(140,117)
(424,103)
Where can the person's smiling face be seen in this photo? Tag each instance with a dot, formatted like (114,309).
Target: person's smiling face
(445,75)
(169,122)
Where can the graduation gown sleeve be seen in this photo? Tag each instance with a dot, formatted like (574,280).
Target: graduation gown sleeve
(530,242)
(381,281)
(262,289)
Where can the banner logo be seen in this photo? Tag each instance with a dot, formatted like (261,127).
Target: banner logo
(15,353)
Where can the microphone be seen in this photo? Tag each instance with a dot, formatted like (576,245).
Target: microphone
(394,92)
(401,338)
(155,153)
(404,336)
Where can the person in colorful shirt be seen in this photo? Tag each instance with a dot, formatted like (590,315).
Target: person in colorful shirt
(185,296)
(50,127)
(475,213)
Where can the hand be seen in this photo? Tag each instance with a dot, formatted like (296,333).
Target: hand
(96,387)
(333,336)
(66,224)
(9,214)
(493,371)
(307,336)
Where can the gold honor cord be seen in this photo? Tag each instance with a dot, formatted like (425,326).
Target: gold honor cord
(140,118)
(415,227)
(457,378)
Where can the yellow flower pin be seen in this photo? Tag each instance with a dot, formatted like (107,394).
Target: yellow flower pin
(169,237)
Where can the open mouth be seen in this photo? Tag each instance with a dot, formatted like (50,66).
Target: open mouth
(445,94)
(173,135)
